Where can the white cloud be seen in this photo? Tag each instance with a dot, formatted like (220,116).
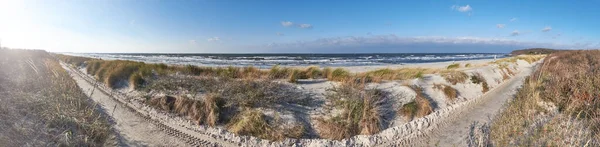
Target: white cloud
(513,19)
(500,26)
(287,23)
(466,8)
(546,29)
(515,33)
(280,34)
(291,24)
(393,43)
(305,26)
(132,22)
(213,39)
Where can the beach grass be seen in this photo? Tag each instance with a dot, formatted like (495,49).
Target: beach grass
(362,112)
(43,106)
(419,107)
(453,66)
(557,105)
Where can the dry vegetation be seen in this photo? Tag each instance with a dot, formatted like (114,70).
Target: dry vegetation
(453,66)
(534,51)
(450,93)
(41,105)
(477,78)
(230,102)
(527,58)
(362,112)
(234,97)
(557,106)
(468,65)
(454,77)
(419,107)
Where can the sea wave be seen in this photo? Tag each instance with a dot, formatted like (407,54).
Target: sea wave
(268,60)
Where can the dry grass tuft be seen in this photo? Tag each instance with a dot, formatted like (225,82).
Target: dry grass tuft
(455,77)
(254,123)
(250,122)
(450,92)
(453,66)
(409,110)
(313,72)
(477,78)
(293,77)
(339,74)
(419,107)
(362,112)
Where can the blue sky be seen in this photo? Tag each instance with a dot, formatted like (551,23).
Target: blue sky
(209,26)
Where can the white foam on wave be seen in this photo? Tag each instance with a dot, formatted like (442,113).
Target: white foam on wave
(265,61)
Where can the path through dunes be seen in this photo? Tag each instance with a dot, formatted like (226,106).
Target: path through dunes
(138,130)
(455,132)
(134,130)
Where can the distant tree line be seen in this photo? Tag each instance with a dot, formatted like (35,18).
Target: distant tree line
(534,51)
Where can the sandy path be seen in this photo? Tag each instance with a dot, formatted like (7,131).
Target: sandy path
(455,132)
(135,131)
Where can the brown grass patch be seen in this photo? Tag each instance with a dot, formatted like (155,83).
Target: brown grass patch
(361,112)
(419,107)
(477,78)
(453,66)
(455,77)
(41,105)
(557,106)
(255,123)
(451,93)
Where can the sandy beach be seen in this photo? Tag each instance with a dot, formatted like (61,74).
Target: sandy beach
(419,65)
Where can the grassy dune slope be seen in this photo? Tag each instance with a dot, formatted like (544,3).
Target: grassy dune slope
(248,101)
(40,105)
(558,105)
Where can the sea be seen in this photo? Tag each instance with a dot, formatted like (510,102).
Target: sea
(269,60)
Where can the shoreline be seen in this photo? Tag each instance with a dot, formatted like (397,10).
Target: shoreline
(351,67)
(433,65)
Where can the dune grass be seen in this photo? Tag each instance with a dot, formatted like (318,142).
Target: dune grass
(454,77)
(396,74)
(528,58)
(453,66)
(233,103)
(41,105)
(477,78)
(419,107)
(362,112)
(557,105)
(450,93)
